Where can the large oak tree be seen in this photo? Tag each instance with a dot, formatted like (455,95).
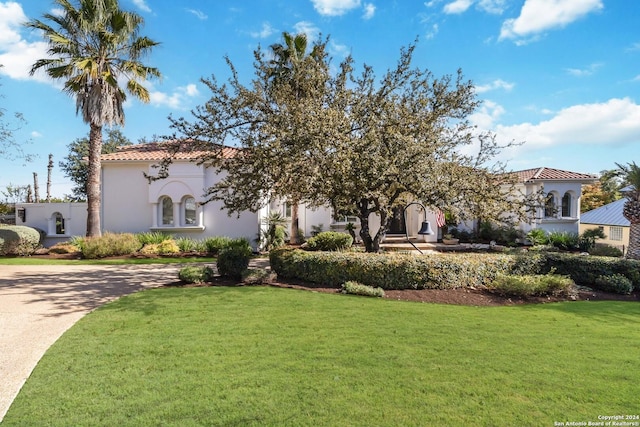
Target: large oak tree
(361,144)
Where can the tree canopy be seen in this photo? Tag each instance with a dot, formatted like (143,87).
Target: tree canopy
(75,164)
(358,143)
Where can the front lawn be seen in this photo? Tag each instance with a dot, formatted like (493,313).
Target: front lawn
(269,356)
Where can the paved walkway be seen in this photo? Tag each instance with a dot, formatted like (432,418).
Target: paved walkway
(39,303)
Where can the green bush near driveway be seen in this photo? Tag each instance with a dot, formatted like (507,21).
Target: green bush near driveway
(195,274)
(233,258)
(18,240)
(110,244)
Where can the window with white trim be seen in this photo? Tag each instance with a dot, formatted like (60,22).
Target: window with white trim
(550,206)
(566,205)
(166,210)
(59,223)
(189,210)
(615,233)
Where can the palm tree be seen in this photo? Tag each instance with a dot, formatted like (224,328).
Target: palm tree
(285,65)
(631,211)
(92,47)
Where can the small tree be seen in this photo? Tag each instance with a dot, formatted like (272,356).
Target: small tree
(75,164)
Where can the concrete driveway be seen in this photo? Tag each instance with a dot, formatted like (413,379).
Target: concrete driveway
(39,303)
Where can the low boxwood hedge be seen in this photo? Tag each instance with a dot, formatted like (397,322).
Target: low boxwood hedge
(398,271)
(442,271)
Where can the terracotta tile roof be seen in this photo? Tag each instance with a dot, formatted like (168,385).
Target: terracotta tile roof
(550,174)
(156,151)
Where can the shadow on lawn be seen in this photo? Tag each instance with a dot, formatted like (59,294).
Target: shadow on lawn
(623,311)
(59,290)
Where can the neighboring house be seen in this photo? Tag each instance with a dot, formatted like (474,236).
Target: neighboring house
(562,190)
(609,218)
(176,204)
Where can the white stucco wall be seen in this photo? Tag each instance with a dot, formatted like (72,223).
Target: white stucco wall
(42,216)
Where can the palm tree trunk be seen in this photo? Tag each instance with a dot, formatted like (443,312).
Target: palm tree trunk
(634,241)
(93,182)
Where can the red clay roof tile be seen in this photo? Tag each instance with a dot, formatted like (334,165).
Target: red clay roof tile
(156,151)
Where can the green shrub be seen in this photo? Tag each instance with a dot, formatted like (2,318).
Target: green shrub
(110,244)
(233,259)
(329,241)
(616,283)
(356,288)
(257,276)
(195,274)
(605,250)
(532,285)
(166,247)
(152,237)
(584,270)
(587,240)
(537,236)
(63,248)
(564,240)
(18,240)
(187,244)
(397,271)
(214,244)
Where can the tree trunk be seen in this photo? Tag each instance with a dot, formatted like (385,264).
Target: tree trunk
(36,188)
(293,235)
(633,252)
(49,169)
(93,182)
(372,244)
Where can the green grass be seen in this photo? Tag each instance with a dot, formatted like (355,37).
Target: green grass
(246,356)
(113,261)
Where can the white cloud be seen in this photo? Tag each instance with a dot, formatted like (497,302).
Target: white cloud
(487,115)
(198,13)
(538,16)
(583,72)
(492,6)
(369,10)
(457,6)
(496,84)
(340,50)
(265,32)
(175,100)
(431,33)
(614,122)
(634,47)
(307,28)
(17,54)
(36,134)
(334,7)
(142,5)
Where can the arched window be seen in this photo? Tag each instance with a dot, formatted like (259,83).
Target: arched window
(167,211)
(566,205)
(59,222)
(550,206)
(189,210)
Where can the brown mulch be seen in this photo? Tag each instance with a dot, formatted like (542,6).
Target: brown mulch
(466,296)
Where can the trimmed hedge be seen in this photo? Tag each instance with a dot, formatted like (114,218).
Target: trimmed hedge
(585,270)
(397,271)
(19,240)
(443,271)
(329,241)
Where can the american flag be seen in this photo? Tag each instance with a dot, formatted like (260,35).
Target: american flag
(440,221)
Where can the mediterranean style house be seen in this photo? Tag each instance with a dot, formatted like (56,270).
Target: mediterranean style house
(176,204)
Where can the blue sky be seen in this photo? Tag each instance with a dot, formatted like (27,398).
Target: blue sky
(561,75)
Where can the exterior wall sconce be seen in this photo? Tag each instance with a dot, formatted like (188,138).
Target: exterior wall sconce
(425,228)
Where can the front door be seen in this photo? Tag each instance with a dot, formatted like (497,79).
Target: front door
(397,225)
